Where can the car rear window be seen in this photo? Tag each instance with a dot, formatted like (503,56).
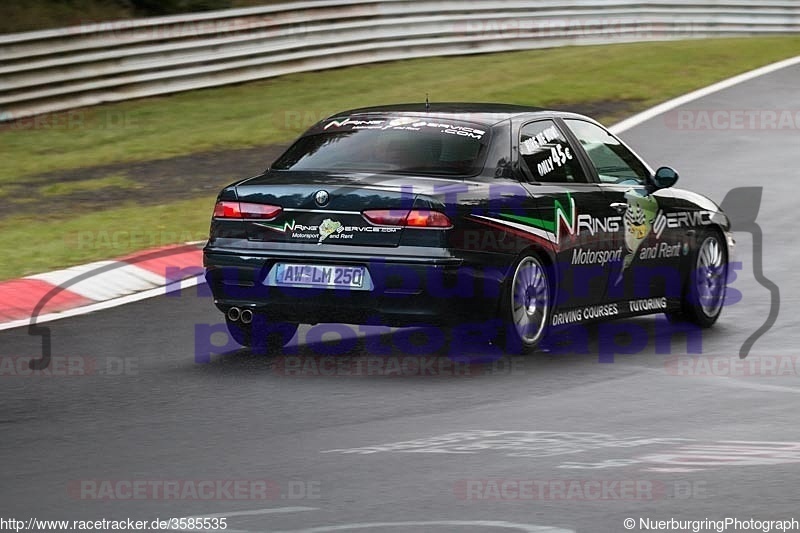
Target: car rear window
(406,145)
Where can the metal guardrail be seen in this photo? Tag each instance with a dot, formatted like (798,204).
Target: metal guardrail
(55,70)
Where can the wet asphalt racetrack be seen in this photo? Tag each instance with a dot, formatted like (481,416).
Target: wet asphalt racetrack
(548,441)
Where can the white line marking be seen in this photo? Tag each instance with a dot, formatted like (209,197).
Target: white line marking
(527,528)
(101,306)
(256,512)
(660,109)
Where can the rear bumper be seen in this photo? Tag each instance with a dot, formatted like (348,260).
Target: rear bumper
(409,288)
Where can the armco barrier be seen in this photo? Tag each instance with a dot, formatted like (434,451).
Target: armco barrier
(54,70)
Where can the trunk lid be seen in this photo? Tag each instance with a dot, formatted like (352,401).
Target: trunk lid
(327,208)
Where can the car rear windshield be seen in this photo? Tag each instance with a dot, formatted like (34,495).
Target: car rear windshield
(407,145)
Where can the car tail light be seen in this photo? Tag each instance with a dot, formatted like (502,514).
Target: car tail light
(386,217)
(246,210)
(416,218)
(420,218)
(227,210)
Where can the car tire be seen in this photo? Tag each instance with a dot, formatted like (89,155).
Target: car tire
(525,306)
(706,284)
(261,336)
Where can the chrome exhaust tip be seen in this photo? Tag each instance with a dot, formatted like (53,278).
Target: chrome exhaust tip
(246,316)
(234,314)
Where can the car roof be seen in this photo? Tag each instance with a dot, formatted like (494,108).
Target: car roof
(483,113)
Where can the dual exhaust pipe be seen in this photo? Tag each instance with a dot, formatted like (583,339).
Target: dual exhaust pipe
(245,316)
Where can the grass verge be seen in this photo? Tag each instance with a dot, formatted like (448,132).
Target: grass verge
(38,244)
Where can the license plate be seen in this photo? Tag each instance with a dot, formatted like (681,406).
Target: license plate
(320,276)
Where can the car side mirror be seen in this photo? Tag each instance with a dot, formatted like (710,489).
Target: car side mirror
(664,178)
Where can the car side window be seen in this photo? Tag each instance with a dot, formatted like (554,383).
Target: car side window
(546,153)
(612,160)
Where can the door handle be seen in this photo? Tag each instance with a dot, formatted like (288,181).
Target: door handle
(619,207)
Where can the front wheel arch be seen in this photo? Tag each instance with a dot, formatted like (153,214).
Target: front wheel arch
(693,307)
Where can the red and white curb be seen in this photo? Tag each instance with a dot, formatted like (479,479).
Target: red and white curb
(99,285)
